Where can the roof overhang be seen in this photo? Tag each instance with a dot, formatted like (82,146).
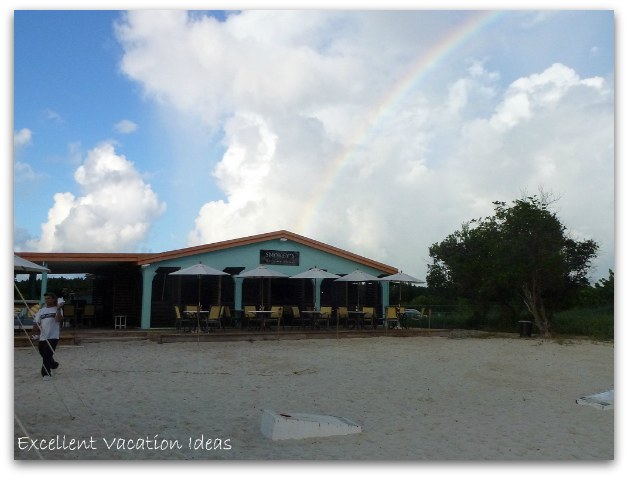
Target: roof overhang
(82,263)
(95,263)
(277,235)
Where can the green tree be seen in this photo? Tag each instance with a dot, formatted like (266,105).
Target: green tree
(601,295)
(605,289)
(521,253)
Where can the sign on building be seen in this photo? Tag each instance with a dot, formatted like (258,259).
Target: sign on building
(282,258)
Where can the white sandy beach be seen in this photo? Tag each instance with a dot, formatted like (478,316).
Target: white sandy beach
(416,398)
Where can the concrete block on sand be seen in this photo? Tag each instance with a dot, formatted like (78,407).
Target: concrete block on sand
(603,400)
(284,426)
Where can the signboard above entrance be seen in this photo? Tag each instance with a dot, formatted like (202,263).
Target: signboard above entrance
(282,258)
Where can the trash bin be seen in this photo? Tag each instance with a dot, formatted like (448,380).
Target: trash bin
(525,328)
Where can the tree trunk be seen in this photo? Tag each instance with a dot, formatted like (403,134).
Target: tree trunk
(534,302)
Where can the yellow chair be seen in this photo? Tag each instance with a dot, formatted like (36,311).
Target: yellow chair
(177,317)
(297,317)
(392,318)
(213,319)
(181,321)
(225,315)
(325,316)
(369,316)
(191,312)
(33,310)
(250,316)
(276,313)
(342,315)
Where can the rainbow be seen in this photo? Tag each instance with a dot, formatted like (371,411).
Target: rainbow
(414,75)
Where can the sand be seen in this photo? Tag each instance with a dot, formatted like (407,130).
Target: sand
(416,398)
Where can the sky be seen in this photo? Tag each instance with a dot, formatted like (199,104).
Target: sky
(379,132)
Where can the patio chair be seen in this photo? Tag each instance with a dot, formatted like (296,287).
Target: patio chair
(32,311)
(191,312)
(369,316)
(392,317)
(180,321)
(89,314)
(213,318)
(342,316)
(325,316)
(225,316)
(249,315)
(276,312)
(177,317)
(297,317)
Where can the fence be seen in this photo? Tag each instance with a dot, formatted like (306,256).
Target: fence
(597,322)
(439,316)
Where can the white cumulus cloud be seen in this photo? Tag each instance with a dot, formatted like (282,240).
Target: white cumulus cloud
(113,213)
(321,137)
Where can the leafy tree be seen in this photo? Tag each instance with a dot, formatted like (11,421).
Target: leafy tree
(606,289)
(78,286)
(601,295)
(520,253)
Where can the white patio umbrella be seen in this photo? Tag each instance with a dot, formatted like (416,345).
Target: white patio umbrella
(199,270)
(262,272)
(315,274)
(401,277)
(357,276)
(22,265)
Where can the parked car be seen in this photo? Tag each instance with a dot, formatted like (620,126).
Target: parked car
(411,318)
(412,314)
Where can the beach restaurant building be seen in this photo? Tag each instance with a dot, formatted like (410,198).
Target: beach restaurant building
(142,287)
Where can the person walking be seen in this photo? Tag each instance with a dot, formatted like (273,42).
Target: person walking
(47,326)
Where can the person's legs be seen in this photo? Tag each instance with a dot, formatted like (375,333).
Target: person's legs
(46,350)
(53,344)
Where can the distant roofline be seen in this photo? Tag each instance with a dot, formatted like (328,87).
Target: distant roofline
(269,236)
(148,258)
(82,256)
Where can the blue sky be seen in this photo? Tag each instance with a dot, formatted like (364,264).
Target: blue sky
(155,131)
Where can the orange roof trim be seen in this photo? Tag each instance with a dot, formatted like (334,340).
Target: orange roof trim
(217,246)
(149,258)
